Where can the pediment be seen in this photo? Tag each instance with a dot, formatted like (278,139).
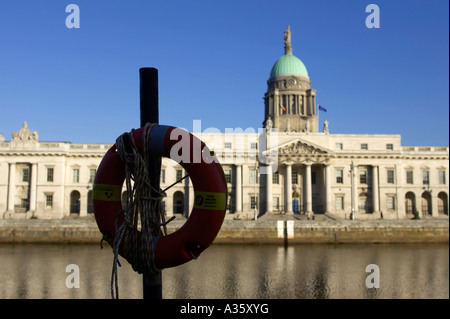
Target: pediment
(299,147)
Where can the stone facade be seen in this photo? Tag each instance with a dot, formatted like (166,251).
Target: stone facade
(315,173)
(289,167)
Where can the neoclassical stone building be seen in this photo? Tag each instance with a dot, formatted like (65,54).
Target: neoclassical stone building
(290,167)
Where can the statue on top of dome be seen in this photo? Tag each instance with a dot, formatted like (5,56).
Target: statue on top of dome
(287,41)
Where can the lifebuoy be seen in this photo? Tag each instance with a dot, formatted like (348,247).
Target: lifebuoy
(210,195)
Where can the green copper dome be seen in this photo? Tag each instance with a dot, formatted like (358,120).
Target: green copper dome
(288,64)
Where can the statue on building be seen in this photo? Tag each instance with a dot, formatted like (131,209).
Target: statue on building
(2,138)
(35,136)
(24,134)
(287,41)
(306,129)
(288,125)
(269,123)
(325,127)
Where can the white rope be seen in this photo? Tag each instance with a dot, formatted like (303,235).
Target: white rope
(141,210)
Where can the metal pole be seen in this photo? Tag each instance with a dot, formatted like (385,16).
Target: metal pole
(148,89)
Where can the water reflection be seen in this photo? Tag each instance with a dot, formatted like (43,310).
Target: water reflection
(225,271)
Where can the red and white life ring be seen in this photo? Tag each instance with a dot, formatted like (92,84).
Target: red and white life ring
(210,196)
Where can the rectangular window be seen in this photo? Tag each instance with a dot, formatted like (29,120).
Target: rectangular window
(25,175)
(339,202)
(49,200)
(179,175)
(339,176)
(391,202)
(294,178)
(442,177)
(253,176)
(50,174)
(92,172)
(390,147)
(162,177)
(426,177)
(364,146)
(227,175)
(363,177)
(313,178)
(409,177)
(76,175)
(254,146)
(390,176)
(228,145)
(276,203)
(276,178)
(254,202)
(339,146)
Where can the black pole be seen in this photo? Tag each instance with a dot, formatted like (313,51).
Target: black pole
(148,89)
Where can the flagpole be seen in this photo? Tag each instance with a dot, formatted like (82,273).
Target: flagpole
(318,119)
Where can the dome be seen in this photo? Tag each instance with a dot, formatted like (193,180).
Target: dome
(289,64)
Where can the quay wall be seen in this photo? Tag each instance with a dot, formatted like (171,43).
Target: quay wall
(82,231)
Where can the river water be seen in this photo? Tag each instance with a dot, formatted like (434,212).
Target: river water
(235,271)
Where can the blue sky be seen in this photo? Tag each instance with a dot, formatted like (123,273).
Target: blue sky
(214,58)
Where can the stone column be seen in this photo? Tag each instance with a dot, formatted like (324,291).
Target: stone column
(186,196)
(83,203)
(33,185)
(11,186)
(375,190)
(61,207)
(276,110)
(400,198)
(308,188)
(355,188)
(168,204)
(434,204)
(328,208)
(238,188)
(269,176)
(288,188)
(310,106)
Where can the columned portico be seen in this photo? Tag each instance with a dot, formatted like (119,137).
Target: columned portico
(288,189)
(269,203)
(354,172)
(375,190)
(308,188)
(328,207)
(238,188)
(11,187)
(187,196)
(33,186)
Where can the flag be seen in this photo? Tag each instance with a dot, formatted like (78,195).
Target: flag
(282,107)
(322,108)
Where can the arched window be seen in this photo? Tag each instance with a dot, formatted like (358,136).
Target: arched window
(410,203)
(443,203)
(75,202)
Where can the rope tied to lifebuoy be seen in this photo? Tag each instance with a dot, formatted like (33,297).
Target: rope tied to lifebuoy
(137,230)
(142,212)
